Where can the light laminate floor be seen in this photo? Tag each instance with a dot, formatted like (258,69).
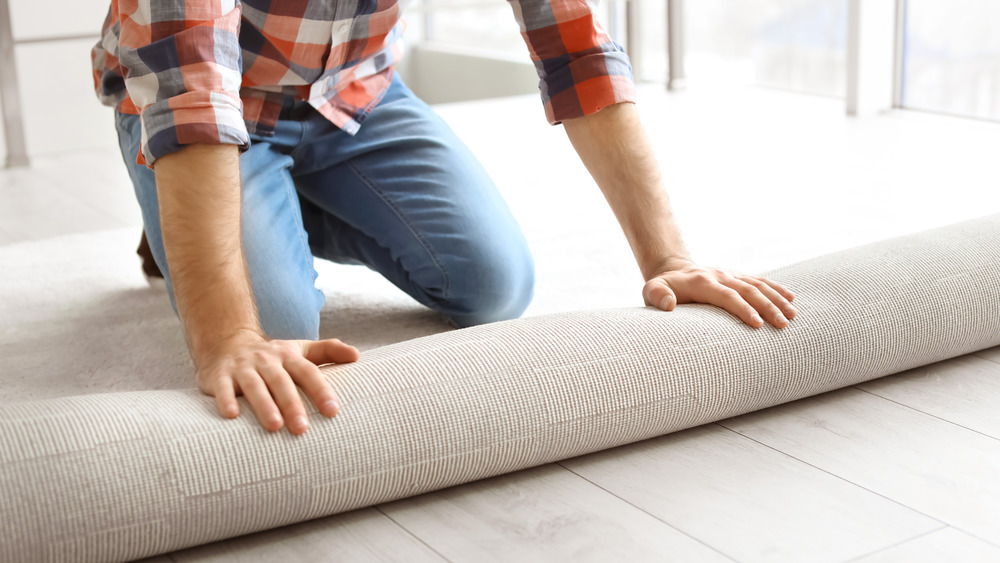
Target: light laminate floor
(900,469)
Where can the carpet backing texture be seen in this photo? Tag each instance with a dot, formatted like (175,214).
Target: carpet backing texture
(125,475)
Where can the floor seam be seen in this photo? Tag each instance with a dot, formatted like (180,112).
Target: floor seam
(897,544)
(378,507)
(934,416)
(838,477)
(644,511)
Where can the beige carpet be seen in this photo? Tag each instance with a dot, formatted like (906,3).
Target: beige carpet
(130,474)
(79,317)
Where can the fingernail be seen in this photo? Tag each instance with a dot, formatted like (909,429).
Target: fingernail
(780,319)
(756,319)
(301,422)
(276,422)
(331,407)
(665,302)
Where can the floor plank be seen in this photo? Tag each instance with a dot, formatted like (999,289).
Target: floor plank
(362,536)
(32,208)
(24,192)
(62,221)
(6,238)
(942,470)
(541,514)
(991,354)
(947,544)
(104,184)
(749,501)
(963,390)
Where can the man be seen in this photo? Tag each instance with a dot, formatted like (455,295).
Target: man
(262,134)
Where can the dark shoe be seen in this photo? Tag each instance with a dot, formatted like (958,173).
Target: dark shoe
(149,266)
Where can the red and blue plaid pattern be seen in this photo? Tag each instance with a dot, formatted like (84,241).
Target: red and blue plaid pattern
(201,71)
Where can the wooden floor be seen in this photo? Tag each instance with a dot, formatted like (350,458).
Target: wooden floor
(901,469)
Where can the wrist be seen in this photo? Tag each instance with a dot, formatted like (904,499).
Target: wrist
(667,264)
(206,347)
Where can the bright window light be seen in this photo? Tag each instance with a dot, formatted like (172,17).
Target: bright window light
(952,57)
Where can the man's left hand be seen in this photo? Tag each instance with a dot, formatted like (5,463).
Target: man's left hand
(751,298)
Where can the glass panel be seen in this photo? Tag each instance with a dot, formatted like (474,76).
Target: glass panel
(477,24)
(952,57)
(795,45)
(481,26)
(651,63)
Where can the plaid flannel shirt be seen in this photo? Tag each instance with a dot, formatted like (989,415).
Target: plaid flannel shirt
(213,72)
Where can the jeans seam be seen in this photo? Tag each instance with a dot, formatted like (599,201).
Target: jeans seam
(398,212)
(303,236)
(298,144)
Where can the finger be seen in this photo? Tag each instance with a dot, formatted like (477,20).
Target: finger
(730,300)
(329,351)
(782,290)
(772,294)
(260,400)
(657,293)
(309,377)
(758,301)
(225,397)
(285,396)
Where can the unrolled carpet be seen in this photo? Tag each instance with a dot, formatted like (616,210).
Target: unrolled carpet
(132,474)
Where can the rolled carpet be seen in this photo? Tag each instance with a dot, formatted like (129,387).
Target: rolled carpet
(127,475)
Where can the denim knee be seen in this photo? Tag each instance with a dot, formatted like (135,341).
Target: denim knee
(495,286)
(288,317)
(277,249)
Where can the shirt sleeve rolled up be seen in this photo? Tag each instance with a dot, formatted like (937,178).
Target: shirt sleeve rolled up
(581,69)
(182,68)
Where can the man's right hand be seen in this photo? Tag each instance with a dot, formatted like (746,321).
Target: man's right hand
(266,372)
(198,188)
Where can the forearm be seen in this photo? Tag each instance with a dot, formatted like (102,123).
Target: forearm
(198,189)
(615,149)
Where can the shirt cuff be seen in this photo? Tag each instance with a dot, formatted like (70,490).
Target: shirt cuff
(193,118)
(587,83)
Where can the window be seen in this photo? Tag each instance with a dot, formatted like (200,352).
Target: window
(482,26)
(797,45)
(951,58)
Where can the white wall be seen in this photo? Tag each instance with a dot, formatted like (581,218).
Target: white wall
(3,143)
(59,108)
(61,111)
(444,73)
(33,19)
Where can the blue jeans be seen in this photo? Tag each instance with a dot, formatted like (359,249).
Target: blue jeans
(404,196)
